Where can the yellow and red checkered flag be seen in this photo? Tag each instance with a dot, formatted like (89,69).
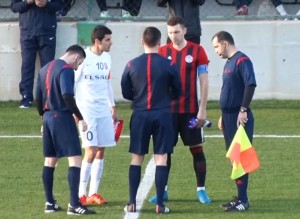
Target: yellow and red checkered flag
(242,155)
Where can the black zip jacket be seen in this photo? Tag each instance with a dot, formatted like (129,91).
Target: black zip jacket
(188,10)
(36,21)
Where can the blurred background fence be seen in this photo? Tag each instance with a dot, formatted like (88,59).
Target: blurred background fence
(211,10)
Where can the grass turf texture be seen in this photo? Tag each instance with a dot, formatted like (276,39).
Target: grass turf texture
(273,189)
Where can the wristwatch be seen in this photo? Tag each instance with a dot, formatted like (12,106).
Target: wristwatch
(243,110)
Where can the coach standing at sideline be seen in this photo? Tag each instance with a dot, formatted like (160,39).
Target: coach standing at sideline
(37,22)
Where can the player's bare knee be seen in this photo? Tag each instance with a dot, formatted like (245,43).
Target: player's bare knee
(90,154)
(75,161)
(161,159)
(50,161)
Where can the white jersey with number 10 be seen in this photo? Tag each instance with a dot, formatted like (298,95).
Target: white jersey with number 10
(93,86)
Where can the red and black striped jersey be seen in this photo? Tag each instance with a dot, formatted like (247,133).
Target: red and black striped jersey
(188,59)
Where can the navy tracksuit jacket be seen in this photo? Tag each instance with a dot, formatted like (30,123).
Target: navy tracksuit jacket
(37,35)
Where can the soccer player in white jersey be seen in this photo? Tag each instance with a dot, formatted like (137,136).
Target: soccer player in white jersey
(94,97)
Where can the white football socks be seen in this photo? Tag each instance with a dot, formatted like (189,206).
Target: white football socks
(85,173)
(200,188)
(281,10)
(96,174)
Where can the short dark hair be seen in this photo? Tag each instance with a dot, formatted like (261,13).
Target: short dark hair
(99,33)
(173,21)
(76,49)
(151,36)
(224,36)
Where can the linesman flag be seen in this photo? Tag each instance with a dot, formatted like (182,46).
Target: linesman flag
(242,155)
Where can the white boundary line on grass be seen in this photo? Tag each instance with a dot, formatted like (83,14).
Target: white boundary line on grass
(143,190)
(148,178)
(127,136)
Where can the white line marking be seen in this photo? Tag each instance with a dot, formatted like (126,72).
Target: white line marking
(149,175)
(144,189)
(127,136)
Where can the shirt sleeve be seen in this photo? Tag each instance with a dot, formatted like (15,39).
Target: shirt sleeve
(67,81)
(247,72)
(202,57)
(126,84)
(39,96)
(110,93)
(202,62)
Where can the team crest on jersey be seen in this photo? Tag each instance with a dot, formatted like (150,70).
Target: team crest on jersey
(189,59)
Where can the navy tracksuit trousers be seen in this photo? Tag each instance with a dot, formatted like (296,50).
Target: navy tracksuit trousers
(44,45)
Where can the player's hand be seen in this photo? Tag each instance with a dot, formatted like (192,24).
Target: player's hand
(114,114)
(41,3)
(220,123)
(82,125)
(200,123)
(75,118)
(242,119)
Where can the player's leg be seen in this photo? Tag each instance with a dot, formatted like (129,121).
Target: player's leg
(69,142)
(48,179)
(161,178)
(134,180)
(65,134)
(96,174)
(199,163)
(163,141)
(74,206)
(140,134)
(49,165)
(297,14)
(279,7)
(194,138)
(29,48)
(97,170)
(74,178)
(242,182)
(105,138)
(89,143)
(240,202)
(175,127)
(102,5)
(85,173)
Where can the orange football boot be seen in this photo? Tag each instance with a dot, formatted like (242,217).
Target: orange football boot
(83,199)
(96,199)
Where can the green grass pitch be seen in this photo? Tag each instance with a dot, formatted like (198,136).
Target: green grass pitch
(274,190)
